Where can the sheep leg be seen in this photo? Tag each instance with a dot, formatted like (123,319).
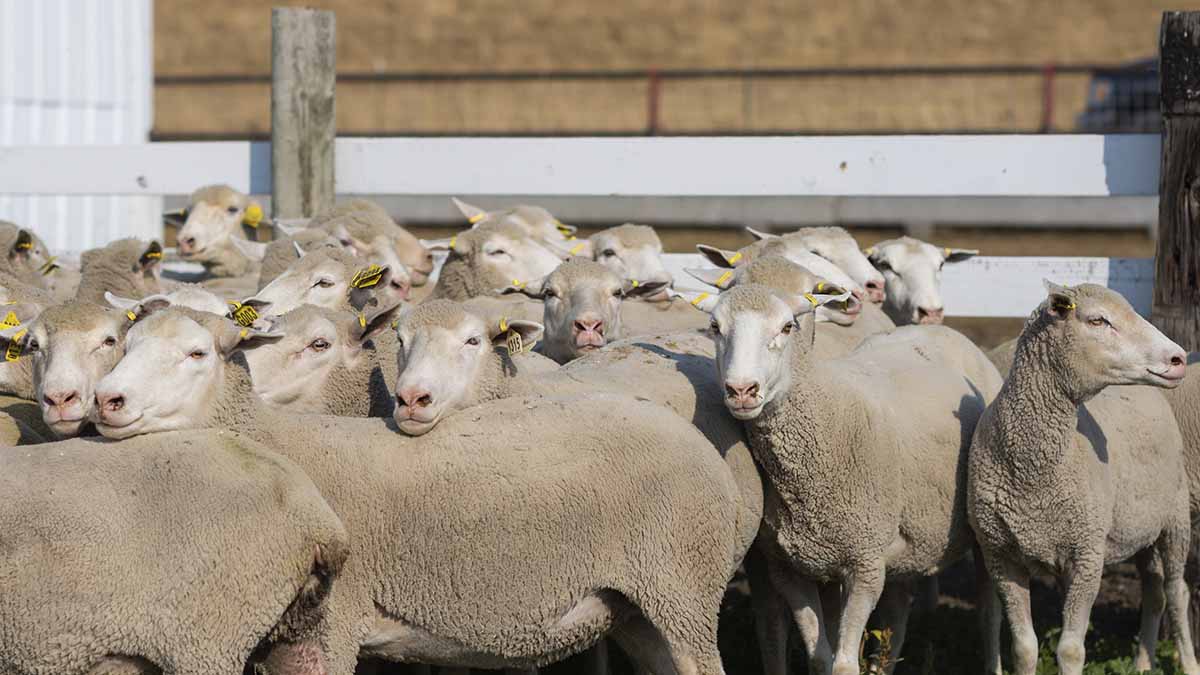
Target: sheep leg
(770,622)
(805,600)
(862,590)
(645,645)
(990,617)
(1172,552)
(1153,601)
(1080,586)
(895,604)
(1012,585)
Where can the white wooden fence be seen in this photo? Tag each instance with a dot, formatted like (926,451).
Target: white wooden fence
(907,166)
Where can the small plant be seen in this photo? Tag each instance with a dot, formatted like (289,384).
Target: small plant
(881,659)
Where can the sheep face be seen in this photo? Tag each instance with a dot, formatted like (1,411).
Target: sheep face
(72,347)
(791,282)
(757,335)
(214,215)
(1103,342)
(837,246)
(171,373)
(444,352)
(490,257)
(912,272)
(407,265)
(292,370)
(632,252)
(328,278)
(535,221)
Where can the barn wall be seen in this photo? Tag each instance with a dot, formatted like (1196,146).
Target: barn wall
(77,72)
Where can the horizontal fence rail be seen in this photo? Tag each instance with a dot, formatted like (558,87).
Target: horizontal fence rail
(895,166)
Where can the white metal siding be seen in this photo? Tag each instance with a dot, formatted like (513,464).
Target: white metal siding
(77,72)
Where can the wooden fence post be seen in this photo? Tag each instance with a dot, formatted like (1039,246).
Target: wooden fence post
(303,124)
(1176,309)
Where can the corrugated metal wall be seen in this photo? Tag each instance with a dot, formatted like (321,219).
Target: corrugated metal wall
(78,72)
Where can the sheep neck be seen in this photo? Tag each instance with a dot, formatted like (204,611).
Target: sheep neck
(1037,409)
(360,390)
(235,405)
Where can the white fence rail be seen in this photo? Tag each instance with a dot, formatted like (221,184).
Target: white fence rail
(864,166)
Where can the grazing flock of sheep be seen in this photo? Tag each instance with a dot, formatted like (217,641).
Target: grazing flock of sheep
(325,455)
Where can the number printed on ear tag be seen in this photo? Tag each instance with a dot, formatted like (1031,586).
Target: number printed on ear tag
(515,344)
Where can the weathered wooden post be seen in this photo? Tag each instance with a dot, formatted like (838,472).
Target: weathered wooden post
(1176,309)
(303,124)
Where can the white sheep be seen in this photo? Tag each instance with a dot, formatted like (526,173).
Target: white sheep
(128,268)
(188,552)
(490,256)
(864,458)
(837,246)
(912,272)
(506,538)
(1067,474)
(214,217)
(332,278)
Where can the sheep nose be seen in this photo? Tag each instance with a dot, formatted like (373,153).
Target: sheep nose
(110,402)
(927,315)
(743,394)
(413,397)
(589,326)
(187,244)
(875,290)
(59,399)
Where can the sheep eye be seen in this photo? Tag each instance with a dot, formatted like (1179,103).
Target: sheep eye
(232,209)
(882,266)
(1098,322)
(716,327)
(473,341)
(498,251)
(608,253)
(32,346)
(324,283)
(197,354)
(787,328)
(319,345)
(549,293)
(110,341)
(942,265)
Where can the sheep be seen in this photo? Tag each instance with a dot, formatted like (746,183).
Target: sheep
(19,304)
(215,215)
(536,221)
(274,258)
(509,548)
(68,348)
(25,253)
(631,251)
(1066,475)
(837,246)
(328,277)
(582,303)
(912,272)
(899,413)
(325,363)
(127,267)
(490,256)
(195,296)
(186,552)
(366,228)
(1003,354)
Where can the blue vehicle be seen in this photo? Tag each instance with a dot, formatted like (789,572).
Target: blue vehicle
(1123,100)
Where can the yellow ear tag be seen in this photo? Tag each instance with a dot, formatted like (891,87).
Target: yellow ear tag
(452,240)
(820,286)
(723,278)
(244,315)
(699,299)
(362,321)
(634,283)
(50,266)
(10,321)
(809,297)
(130,315)
(476,218)
(514,343)
(947,252)
(870,252)
(503,324)
(243,333)
(24,245)
(368,277)
(734,258)
(563,229)
(577,248)
(14,348)
(1063,306)
(518,284)
(253,215)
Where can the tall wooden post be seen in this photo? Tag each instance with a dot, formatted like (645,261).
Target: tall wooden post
(1176,309)
(303,124)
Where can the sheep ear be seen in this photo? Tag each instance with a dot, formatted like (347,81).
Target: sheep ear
(632,288)
(564,229)
(119,302)
(570,247)
(439,244)
(233,337)
(702,300)
(150,262)
(374,320)
(251,249)
(721,278)
(958,254)
(290,226)
(177,217)
(534,289)
(872,254)
(759,234)
(13,339)
(139,309)
(720,257)
(824,293)
(23,246)
(473,214)
(366,284)
(348,242)
(519,336)
(1060,300)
